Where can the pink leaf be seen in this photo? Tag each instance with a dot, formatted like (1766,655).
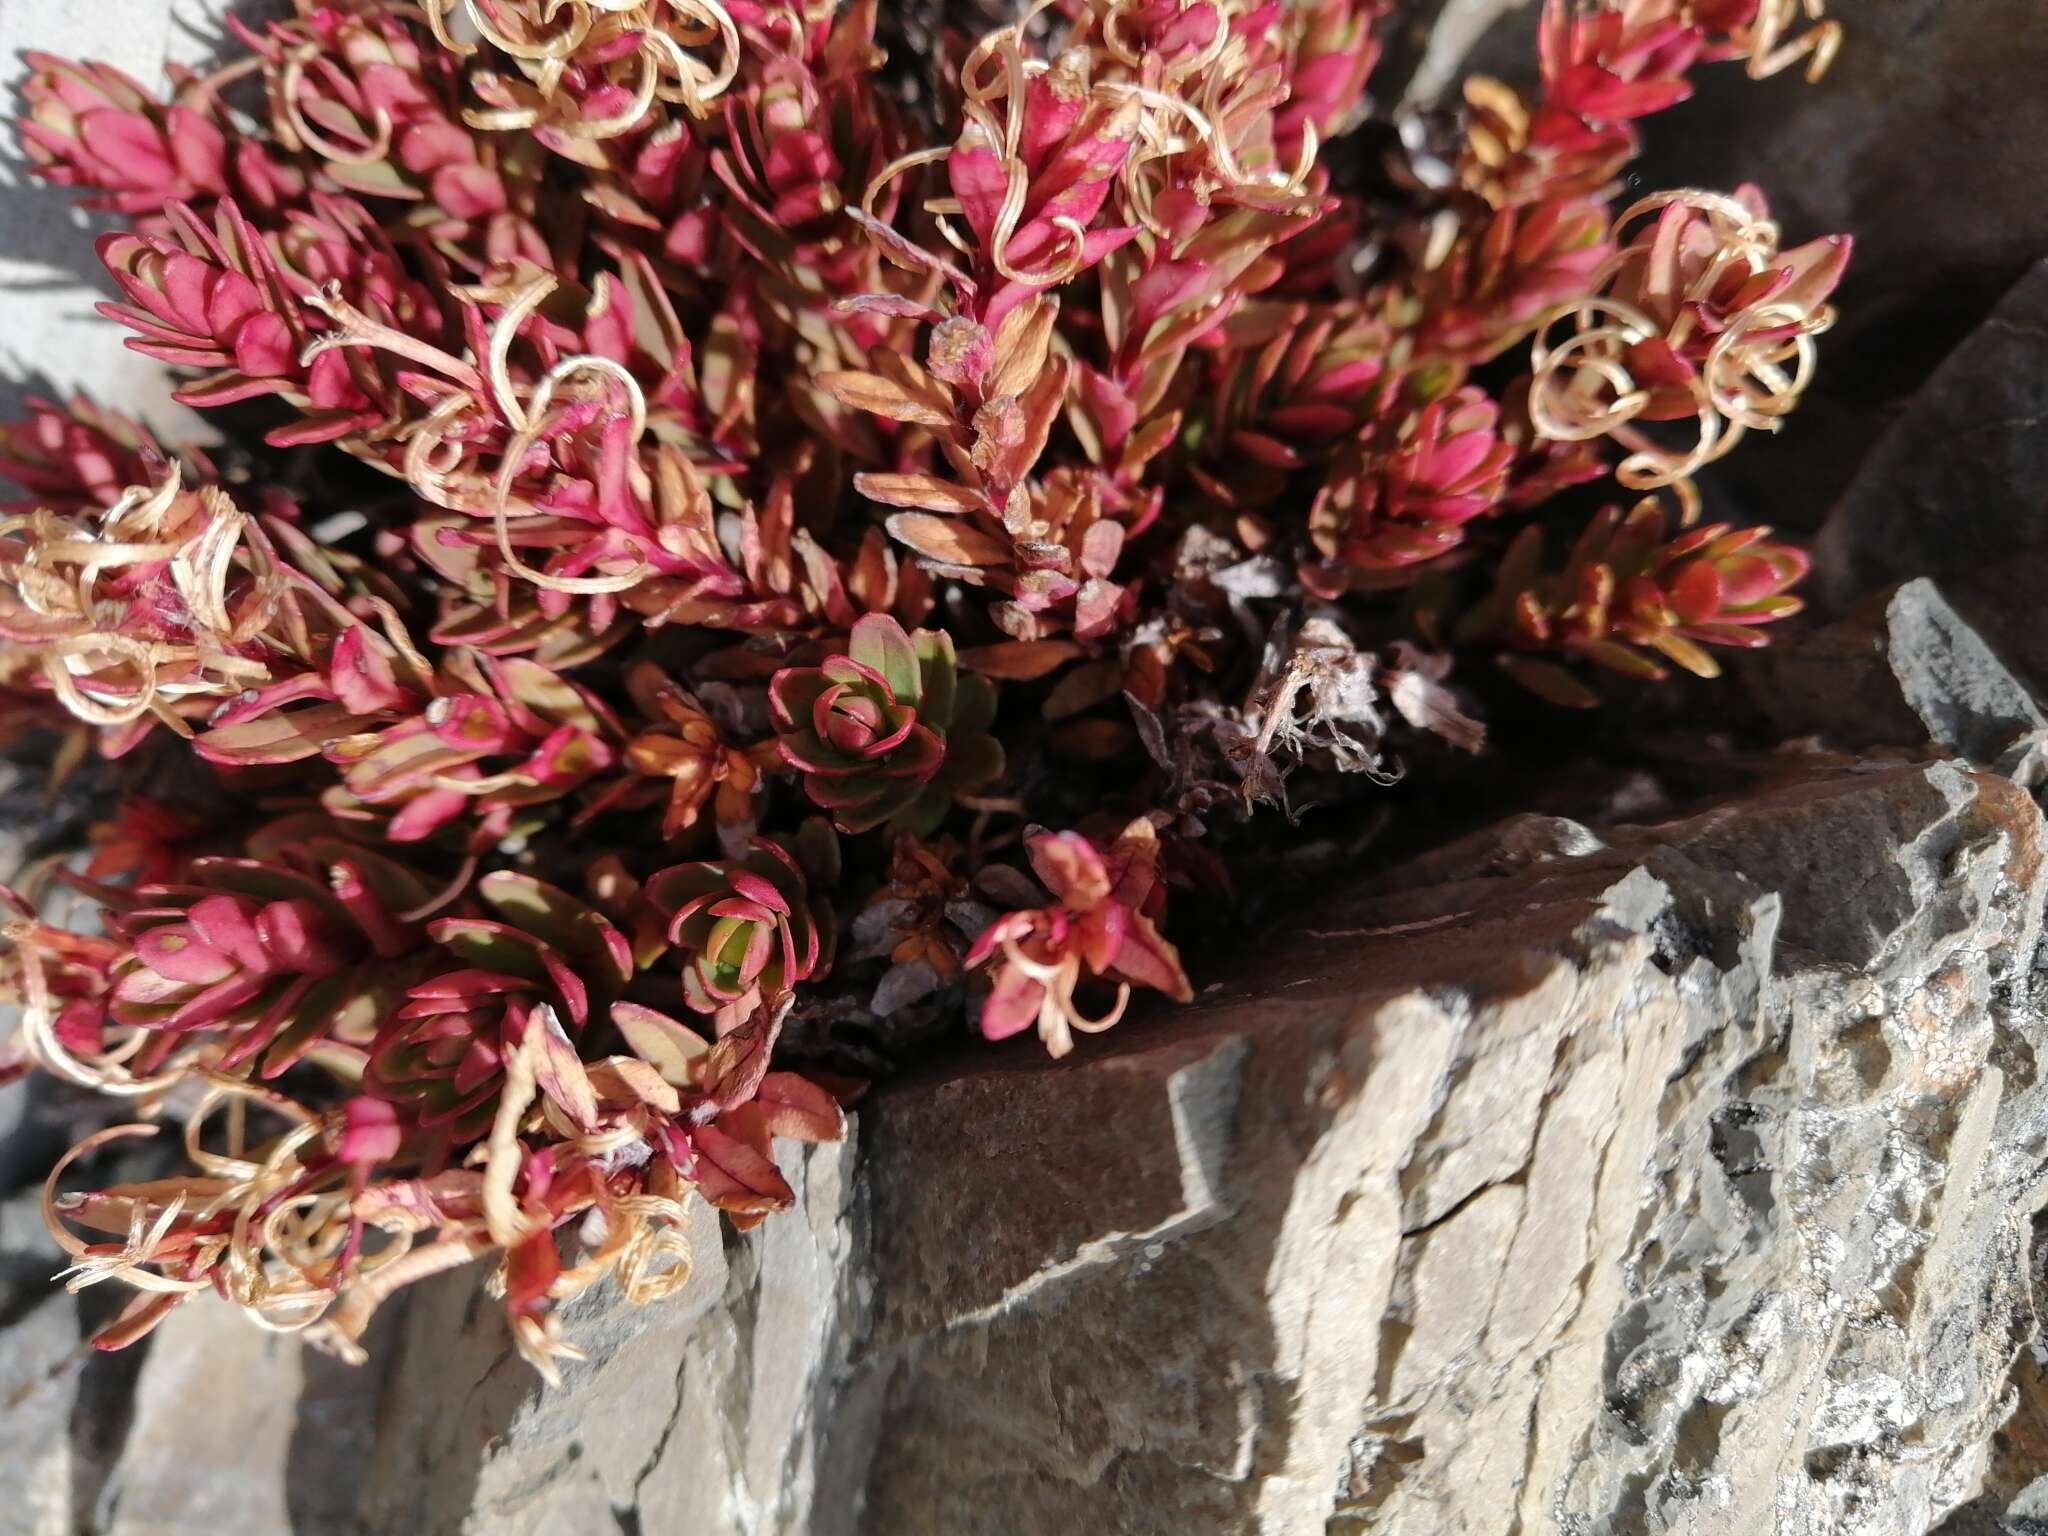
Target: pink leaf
(735,1177)
(131,148)
(558,1069)
(370,1131)
(799,1109)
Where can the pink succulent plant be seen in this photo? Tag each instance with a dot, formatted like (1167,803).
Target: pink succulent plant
(678,419)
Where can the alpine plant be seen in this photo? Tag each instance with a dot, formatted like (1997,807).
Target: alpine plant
(748,542)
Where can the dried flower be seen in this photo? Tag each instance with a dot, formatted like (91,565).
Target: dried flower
(686,746)
(1099,925)
(921,920)
(148,611)
(1699,315)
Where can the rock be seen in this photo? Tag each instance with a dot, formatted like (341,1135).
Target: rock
(186,1433)
(1958,489)
(702,1414)
(1903,669)
(40,1370)
(207,1425)
(1424,46)
(1674,1179)
(1538,1201)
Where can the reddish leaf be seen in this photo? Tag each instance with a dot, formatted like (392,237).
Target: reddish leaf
(737,1064)
(925,492)
(370,1132)
(799,1109)
(558,1069)
(673,1049)
(734,1177)
(883,397)
(1020,660)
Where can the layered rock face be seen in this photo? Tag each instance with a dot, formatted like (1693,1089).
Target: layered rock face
(1676,1179)
(1535,1200)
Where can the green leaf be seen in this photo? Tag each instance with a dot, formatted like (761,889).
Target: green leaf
(974,707)
(677,886)
(559,920)
(879,643)
(922,816)
(350,1005)
(938,673)
(491,946)
(396,888)
(870,803)
(816,851)
(671,1048)
(266,882)
(972,761)
(1617,657)
(1688,655)
(1549,681)
(795,691)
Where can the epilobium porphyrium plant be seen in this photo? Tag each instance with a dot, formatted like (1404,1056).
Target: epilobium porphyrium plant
(817,549)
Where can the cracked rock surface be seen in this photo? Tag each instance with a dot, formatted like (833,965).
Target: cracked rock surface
(1664,1188)
(1680,1178)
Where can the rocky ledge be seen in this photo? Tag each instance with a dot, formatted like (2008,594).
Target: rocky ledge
(1666,1178)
